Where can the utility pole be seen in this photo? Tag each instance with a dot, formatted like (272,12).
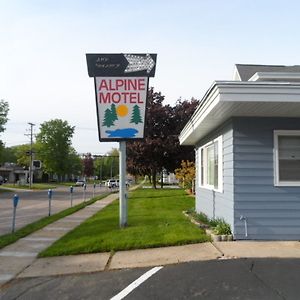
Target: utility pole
(31,153)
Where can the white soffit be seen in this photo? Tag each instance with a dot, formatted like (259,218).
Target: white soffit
(226,99)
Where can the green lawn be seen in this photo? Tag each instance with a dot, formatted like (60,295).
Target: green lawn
(35,186)
(155,219)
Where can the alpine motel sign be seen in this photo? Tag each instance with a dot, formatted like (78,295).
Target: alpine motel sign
(121,85)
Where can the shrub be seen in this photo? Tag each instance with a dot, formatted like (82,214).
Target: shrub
(201,217)
(219,225)
(222,228)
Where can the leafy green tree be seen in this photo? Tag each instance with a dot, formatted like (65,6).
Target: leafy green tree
(136,115)
(74,165)
(54,146)
(4,108)
(22,153)
(9,155)
(107,166)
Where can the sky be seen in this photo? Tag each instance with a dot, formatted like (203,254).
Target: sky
(43,71)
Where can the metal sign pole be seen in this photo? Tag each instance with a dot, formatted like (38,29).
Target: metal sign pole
(122,185)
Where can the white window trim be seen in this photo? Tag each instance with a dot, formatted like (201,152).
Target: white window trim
(220,166)
(276,157)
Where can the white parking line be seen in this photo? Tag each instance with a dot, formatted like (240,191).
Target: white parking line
(136,283)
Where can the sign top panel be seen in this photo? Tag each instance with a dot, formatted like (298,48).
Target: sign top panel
(116,65)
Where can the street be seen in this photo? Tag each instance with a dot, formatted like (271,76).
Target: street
(34,205)
(254,278)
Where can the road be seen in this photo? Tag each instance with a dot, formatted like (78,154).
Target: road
(256,279)
(34,205)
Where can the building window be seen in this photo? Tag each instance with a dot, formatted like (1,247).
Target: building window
(287,157)
(210,165)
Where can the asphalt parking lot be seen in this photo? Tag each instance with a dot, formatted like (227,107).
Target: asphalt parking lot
(261,278)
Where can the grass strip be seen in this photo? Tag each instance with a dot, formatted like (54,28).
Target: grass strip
(35,186)
(10,238)
(155,219)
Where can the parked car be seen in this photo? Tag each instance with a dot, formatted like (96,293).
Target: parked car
(80,183)
(112,183)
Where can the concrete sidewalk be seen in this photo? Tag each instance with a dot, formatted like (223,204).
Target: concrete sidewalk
(88,263)
(15,258)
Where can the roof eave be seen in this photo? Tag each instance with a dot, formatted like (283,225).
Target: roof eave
(235,98)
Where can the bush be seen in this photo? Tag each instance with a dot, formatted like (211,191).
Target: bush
(219,225)
(222,228)
(201,217)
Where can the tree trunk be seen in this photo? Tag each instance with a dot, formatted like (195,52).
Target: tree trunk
(150,178)
(162,179)
(154,178)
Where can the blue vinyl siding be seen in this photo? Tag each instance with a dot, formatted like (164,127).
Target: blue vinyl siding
(216,204)
(272,212)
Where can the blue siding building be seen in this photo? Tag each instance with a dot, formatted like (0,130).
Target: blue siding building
(247,138)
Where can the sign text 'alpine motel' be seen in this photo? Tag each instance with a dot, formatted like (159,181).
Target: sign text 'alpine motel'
(121,100)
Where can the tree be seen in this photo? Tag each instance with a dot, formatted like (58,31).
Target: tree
(186,173)
(9,155)
(54,146)
(136,115)
(22,153)
(4,108)
(107,166)
(160,149)
(88,165)
(74,165)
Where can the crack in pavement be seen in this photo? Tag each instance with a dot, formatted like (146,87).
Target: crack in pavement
(30,288)
(251,269)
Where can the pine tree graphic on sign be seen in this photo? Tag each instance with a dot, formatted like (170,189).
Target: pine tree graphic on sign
(108,118)
(136,115)
(114,112)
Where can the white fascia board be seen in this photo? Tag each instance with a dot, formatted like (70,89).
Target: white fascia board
(209,101)
(276,76)
(223,92)
(259,92)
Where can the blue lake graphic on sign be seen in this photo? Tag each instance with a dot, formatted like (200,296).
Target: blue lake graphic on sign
(122,133)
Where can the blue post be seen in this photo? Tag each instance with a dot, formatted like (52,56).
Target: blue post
(15,203)
(50,198)
(94,189)
(84,191)
(71,194)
